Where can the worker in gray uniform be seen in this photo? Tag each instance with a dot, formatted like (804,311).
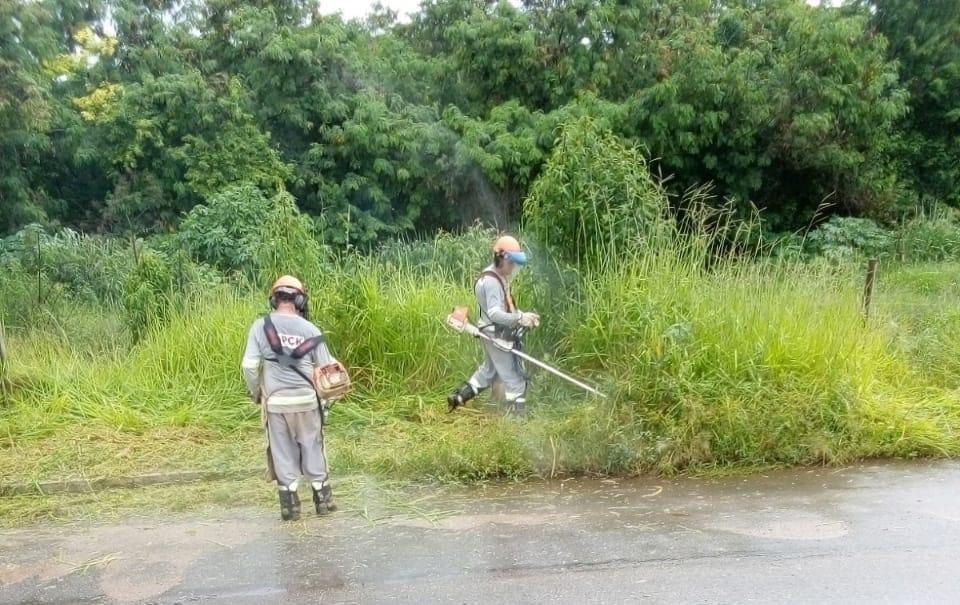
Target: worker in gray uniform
(500,319)
(283,349)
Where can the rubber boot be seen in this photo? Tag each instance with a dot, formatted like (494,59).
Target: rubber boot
(323,499)
(289,505)
(460,397)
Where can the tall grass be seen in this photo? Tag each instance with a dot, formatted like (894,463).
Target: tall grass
(179,375)
(714,352)
(734,362)
(931,236)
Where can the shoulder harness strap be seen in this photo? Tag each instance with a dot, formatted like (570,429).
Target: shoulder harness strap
(303,349)
(507,296)
(290,361)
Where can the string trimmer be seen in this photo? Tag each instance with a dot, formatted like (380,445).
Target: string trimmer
(458,321)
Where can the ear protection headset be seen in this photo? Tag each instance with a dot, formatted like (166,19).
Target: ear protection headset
(299,301)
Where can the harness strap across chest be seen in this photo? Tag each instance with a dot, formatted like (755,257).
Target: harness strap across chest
(507,296)
(290,360)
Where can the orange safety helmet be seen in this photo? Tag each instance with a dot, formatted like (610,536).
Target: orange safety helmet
(509,248)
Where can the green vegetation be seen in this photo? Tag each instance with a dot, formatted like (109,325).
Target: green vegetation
(124,115)
(712,358)
(744,364)
(699,185)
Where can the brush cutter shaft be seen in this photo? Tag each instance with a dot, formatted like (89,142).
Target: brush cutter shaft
(557,373)
(460,324)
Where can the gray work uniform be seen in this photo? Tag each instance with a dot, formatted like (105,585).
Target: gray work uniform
(499,320)
(294,429)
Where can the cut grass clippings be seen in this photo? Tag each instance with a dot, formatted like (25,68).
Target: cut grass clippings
(371,500)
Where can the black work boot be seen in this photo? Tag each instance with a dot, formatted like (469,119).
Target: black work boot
(460,397)
(518,408)
(323,499)
(289,505)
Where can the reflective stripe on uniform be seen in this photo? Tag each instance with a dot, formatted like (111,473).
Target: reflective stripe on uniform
(281,400)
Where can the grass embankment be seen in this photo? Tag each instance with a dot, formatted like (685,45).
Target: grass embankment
(747,364)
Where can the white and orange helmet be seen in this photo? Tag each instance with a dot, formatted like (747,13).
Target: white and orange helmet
(291,287)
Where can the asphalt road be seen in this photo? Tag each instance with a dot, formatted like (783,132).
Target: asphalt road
(868,534)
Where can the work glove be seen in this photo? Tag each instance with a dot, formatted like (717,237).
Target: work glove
(529,320)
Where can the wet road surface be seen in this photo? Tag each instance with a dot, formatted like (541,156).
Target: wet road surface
(876,533)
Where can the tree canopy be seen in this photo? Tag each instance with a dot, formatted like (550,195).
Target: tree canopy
(125,115)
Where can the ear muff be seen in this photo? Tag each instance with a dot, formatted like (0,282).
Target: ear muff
(302,304)
(273,302)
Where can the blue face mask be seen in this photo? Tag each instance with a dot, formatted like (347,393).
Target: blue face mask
(517,258)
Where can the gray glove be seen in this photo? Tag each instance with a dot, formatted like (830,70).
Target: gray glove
(529,320)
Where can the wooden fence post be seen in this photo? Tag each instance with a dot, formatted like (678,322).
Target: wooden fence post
(136,253)
(868,288)
(3,362)
(39,272)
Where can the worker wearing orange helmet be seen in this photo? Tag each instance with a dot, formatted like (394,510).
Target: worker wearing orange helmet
(500,318)
(283,349)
